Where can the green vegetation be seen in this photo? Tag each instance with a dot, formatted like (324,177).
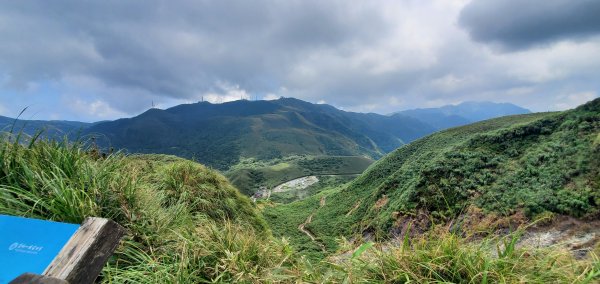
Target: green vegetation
(251,174)
(525,164)
(187,224)
(52,128)
(222,135)
(439,257)
(182,219)
(286,220)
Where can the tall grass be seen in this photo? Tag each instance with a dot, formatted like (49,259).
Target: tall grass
(187,224)
(167,207)
(56,180)
(439,257)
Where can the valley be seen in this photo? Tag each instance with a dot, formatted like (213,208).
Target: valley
(260,144)
(250,175)
(498,197)
(476,172)
(300,142)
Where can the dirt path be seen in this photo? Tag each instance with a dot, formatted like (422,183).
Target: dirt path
(354,208)
(302,226)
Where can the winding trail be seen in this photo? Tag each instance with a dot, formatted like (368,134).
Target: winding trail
(302,226)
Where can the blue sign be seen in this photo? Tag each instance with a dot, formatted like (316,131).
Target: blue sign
(30,245)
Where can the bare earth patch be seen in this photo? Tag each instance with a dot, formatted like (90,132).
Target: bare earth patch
(296,184)
(577,236)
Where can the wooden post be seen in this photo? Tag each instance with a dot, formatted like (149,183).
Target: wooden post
(84,256)
(81,260)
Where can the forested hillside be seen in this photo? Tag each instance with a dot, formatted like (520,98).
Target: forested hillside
(220,135)
(524,165)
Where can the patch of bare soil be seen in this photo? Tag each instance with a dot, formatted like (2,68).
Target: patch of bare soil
(562,232)
(578,236)
(381,202)
(296,184)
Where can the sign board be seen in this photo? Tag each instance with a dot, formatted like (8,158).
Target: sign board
(30,245)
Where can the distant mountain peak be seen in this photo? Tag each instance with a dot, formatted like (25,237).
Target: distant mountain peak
(463,113)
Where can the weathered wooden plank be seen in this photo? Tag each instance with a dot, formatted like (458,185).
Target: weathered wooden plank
(28,278)
(81,260)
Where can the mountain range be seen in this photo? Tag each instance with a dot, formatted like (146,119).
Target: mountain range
(220,135)
(466,199)
(462,114)
(50,128)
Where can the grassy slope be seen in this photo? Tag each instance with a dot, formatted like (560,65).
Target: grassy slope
(186,224)
(333,220)
(531,163)
(177,213)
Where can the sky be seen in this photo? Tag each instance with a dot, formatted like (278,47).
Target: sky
(101,60)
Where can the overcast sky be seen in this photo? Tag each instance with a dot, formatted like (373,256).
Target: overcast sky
(97,60)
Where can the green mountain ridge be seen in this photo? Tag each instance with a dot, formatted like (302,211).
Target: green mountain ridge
(50,128)
(220,135)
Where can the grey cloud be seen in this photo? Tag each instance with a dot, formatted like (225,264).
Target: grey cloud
(126,54)
(517,24)
(170,48)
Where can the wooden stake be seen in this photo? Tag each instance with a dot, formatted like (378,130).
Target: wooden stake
(81,260)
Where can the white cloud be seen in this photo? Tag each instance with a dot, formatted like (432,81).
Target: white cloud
(270,97)
(226,92)
(3,110)
(448,83)
(97,109)
(552,63)
(569,101)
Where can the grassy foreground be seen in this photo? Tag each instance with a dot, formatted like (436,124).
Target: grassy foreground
(186,224)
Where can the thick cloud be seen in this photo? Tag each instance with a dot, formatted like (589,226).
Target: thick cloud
(517,24)
(174,49)
(93,60)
